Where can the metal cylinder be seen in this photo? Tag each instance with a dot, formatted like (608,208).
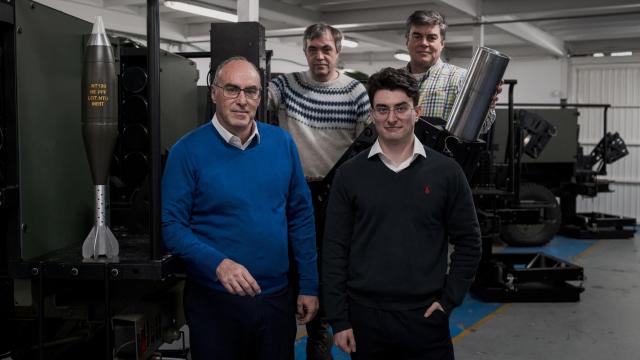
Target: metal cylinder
(101,204)
(99,103)
(472,104)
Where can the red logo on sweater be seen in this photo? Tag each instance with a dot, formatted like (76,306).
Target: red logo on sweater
(427,190)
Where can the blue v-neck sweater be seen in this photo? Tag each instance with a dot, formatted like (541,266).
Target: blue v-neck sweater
(222,202)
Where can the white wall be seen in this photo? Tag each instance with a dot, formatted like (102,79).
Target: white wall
(614,81)
(373,66)
(203,67)
(287,57)
(540,80)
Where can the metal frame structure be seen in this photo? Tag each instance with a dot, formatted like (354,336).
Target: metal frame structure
(524,277)
(583,181)
(528,277)
(153,56)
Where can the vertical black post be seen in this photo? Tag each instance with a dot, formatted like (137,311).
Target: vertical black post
(605,148)
(40,275)
(108,355)
(511,136)
(518,160)
(153,58)
(10,219)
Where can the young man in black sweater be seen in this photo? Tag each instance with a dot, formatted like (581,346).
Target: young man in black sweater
(392,212)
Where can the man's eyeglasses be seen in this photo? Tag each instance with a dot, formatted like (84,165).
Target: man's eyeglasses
(232,92)
(382,112)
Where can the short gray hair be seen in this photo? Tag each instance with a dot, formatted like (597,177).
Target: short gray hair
(317,30)
(233,58)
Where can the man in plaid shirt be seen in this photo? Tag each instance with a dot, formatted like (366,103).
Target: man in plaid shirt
(440,82)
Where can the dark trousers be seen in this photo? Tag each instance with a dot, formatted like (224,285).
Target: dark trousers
(401,335)
(224,326)
(317,328)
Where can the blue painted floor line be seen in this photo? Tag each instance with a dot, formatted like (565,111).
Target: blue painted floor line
(561,247)
(470,312)
(473,310)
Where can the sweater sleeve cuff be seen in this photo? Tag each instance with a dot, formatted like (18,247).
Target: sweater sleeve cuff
(447,305)
(337,326)
(209,261)
(309,287)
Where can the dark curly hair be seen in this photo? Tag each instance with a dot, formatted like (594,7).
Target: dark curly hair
(393,79)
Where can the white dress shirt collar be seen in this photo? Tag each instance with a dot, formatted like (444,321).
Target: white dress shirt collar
(232,139)
(418,150)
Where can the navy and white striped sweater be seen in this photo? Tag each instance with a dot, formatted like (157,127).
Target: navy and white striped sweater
(323,117)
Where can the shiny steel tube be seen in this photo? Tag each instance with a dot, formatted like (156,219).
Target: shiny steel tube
(101,205)
(472,104)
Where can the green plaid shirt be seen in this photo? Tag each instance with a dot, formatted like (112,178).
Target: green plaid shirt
(439,88)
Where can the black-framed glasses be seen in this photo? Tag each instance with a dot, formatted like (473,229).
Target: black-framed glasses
(382,112)
(232,91)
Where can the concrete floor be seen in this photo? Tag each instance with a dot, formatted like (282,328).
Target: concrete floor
(605,324)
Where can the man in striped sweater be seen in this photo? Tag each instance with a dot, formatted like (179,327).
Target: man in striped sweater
(324,110)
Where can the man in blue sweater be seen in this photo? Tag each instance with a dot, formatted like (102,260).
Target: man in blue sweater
(233,197)
(393,210)
(323,109)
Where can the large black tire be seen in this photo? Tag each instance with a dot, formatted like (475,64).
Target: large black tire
(538,234)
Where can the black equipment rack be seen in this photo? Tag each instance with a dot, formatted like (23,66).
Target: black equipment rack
(518,277)
(142,264)
(66,264)
(134,263)
(587,168)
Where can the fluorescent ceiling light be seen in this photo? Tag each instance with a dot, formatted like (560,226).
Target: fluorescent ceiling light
(346,26)
(598,54)
(349,43)
(622,53)
(202,11)
(402,56)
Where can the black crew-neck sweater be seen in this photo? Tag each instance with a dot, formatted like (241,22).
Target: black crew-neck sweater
(386,234)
